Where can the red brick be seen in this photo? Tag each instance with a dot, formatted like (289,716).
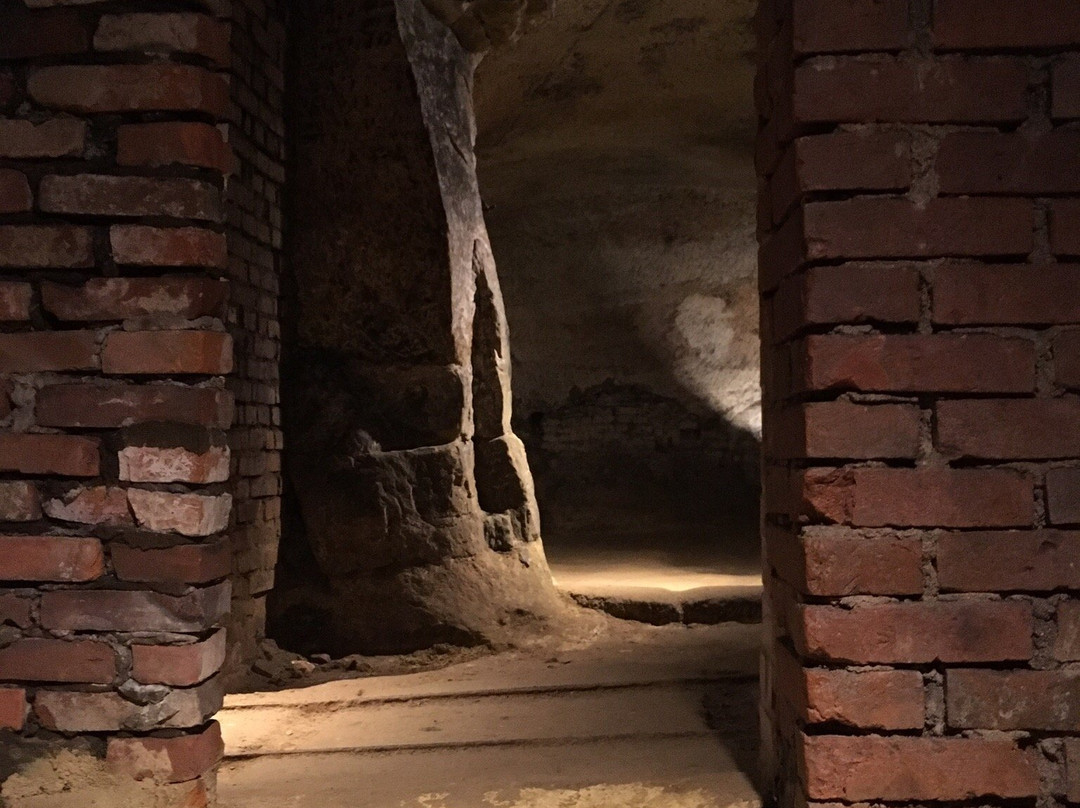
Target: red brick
(186,514)
(31,352)
(126,298)
(185,563)
(50,558)
(167,352)
(15,611)
(836,562)
(850,25)
(1025,561)
(1067,643)
(1010,294)
(173,247)
(153,464)
(914,633)
(173,143)
(66,455)
(1013,700)
(103,407)
(1072,758)
(178,665)
(850,293)
(1065,227)
(841,161)
(1009,429)
(945,363)
(12,708)
(37,660)
(19,502)
(1001,24)
(106,610)
(843,429)
(167,760)
(1066,88)
(49,32)
(45,247)
(1067,358)
(867,700)
(56,137)
(100,505)
(15,196)
(14,301)
(886,89)
(7,89)
(104,195)
(1063,495)
(130,88)
(1009,163)
(903,769)
(165,33)
(64,711)
(875,227)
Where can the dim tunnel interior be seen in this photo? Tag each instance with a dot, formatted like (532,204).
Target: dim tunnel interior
(612,186)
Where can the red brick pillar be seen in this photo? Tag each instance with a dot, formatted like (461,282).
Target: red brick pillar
(114,466)
(920,192)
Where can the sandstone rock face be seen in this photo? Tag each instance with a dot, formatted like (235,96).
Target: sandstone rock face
(410,518)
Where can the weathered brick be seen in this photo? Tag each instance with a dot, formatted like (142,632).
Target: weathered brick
(63,711)
(105,195)
(1009,429)
(867,700)
(836,26)
(1012,700)
(919,632)
(15,611)
(12,708)
(1003,163)
(39,660)
(173,143)
(1031,561)
(66,455)
(178,665)
(167,352)
(1065,227)
(50,558)
(138,245)
(186,514)
(843,429)
(15,301)
(49,32)
(1003,24)
(35,351)
(108,610)
(98,407)
(15,196)
(19,502)
(46,246)
(165,33)
(981,294)
(1067,642)
(185,563)
(7,89)
(903,769)
(100,505)
(1072,778)
(130,88)
(837,562)
(886,89)
(125,298)
(850,293)
(1063,496)
(1067,358)
(167,760)
(1066,89)
(153,464)
(56,137)
(898,363)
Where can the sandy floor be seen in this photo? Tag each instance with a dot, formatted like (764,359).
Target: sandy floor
(614,714)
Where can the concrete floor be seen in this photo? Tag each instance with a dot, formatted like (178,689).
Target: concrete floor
(622,714)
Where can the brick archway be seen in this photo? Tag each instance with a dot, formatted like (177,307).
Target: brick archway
(920,222)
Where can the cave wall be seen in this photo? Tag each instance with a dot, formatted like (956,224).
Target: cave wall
(616,163)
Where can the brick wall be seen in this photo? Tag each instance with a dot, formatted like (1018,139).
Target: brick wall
(918,222)
(114,465)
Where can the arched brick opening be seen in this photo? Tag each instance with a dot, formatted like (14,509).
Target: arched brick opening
(919,225)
